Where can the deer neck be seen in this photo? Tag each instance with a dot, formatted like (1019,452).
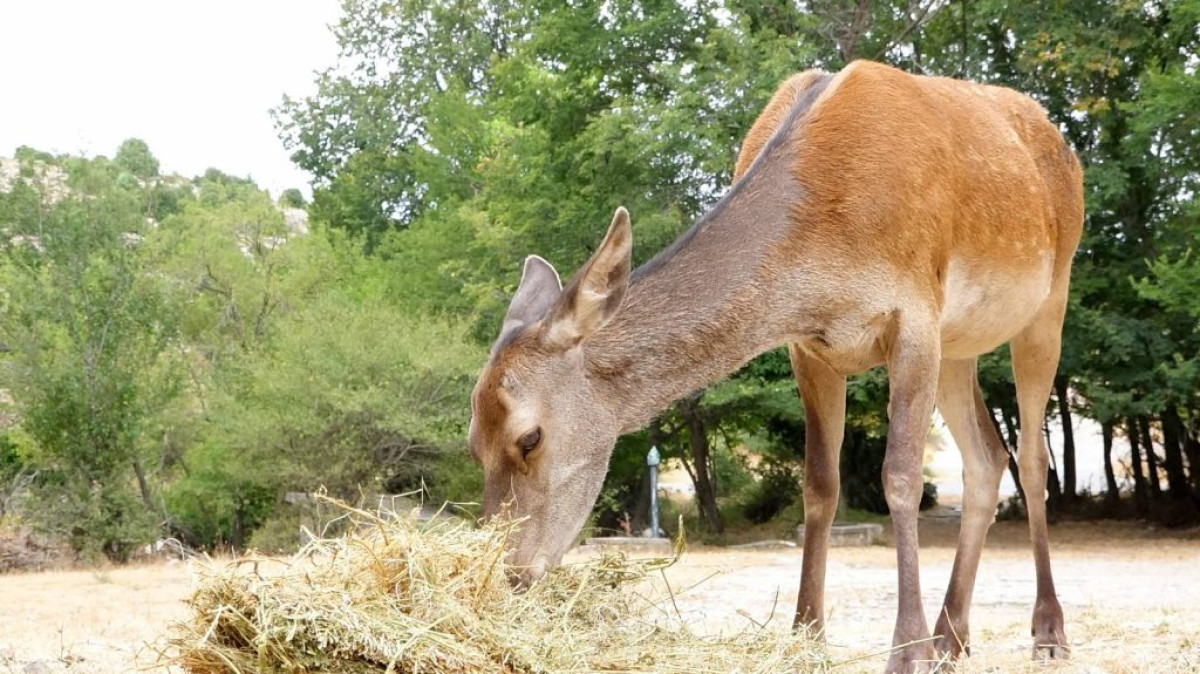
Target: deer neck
(704,306)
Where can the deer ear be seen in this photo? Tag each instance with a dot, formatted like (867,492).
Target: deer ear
(539,288)
(593,297)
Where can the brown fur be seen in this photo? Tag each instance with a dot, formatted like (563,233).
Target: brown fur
(772,117)
(878,218)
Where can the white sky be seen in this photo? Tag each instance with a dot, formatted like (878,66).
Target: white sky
(193,78)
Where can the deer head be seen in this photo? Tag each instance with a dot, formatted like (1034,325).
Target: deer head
(541,430)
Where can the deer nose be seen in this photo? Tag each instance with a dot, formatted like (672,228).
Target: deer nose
(518,581)
(522,578)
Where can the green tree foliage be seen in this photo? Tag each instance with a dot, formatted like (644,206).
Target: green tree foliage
(526,139)
(352,395)
(520,129)
(90,358)
(179,360)
(523,140)
(15,475)
(292,198)
(1119,78)
(182,375)
(308,372)
(134,156)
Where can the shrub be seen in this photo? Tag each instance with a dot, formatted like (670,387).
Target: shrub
(778,488)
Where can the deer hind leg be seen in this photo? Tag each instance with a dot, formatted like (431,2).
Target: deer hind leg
(824,394)
(913,361)
(984,460)
(1035,352)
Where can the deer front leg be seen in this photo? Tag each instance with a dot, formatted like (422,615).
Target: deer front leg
(824,394)
(913,361)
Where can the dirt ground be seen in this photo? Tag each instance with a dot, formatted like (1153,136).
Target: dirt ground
(1131,598)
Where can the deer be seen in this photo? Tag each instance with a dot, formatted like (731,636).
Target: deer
(876,218)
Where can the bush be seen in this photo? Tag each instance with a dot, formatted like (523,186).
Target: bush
(928,495)
(107,520)
(456,479)
(222,501)
(354,396)
(280,533)
(778,488)
(730,473)
(626,491)
(15,475)
(862,465)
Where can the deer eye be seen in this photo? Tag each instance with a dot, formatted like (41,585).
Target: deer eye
(529,441)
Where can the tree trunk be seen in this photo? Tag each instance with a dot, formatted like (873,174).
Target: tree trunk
(1113,495)
(1135,459)
(1152,475)
(706,494)
(1010,440)
(639,517)
(142,485)
(238,530)
(1173,455)
(1192,447)
(1053,487)
(1064,413)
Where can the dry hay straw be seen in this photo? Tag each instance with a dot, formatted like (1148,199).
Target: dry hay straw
(397,595)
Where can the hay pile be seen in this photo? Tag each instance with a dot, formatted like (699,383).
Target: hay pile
(395,595)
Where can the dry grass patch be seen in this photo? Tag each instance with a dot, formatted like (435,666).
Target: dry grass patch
(394,595)
(1104,646)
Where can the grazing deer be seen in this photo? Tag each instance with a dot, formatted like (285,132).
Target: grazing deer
(877,218)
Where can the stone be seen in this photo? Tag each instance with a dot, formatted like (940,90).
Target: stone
(849,535)
(634,544)
(42,667)
(764,544)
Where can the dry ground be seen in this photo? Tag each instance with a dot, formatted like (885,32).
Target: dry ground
(1130,597)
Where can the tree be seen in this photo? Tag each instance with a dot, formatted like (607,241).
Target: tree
(1115,77)
(874,30)
(546,119)
(90,359)
(134,156)
(307,373)
(292,198)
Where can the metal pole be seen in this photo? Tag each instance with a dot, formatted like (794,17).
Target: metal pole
(652,460)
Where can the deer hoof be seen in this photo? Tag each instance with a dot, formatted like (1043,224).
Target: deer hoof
(1046,652)
(1049,637)
(950,640)
(914,659)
